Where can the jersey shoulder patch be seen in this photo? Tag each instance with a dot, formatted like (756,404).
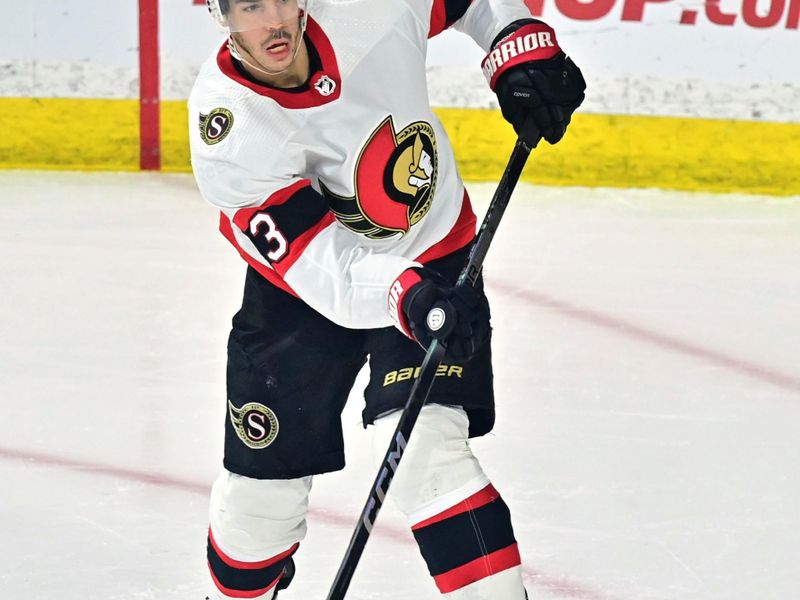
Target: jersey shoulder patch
(216,125)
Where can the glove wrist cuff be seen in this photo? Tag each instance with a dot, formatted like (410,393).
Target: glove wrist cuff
(533,40)
(397,293)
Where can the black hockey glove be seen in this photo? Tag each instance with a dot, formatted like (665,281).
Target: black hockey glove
(537,85)
(425,307)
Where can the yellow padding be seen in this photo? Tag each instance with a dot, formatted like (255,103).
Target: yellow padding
(175,136)
(57,133)
(599,150)
(631,151)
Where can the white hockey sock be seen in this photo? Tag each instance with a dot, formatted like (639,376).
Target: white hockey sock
(256,527)
(461,524)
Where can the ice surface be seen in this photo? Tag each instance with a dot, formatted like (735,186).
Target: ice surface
(647,347)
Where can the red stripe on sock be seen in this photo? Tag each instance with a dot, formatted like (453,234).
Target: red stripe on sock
(478,569)
(242,593)
(238,564)
(486,495)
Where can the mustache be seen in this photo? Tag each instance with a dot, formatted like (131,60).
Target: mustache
(279,35)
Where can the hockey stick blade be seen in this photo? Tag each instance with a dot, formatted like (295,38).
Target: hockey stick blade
(422,386)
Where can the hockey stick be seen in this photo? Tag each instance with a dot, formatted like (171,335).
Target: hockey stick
(422,386)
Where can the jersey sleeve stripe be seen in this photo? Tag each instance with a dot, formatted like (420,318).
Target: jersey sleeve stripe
(242,217)
(226,229)
(446,12)
(281,228)
(438,17)
(299,245)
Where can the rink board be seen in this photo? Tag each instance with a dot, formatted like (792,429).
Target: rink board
(599,150)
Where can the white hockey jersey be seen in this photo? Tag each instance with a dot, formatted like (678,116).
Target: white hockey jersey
(332,192)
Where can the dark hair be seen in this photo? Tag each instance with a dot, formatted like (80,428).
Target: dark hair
(224,6)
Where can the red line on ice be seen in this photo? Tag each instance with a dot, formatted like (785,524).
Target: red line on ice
(743,367)
(555,585)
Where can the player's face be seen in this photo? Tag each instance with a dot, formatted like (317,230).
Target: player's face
(269,31)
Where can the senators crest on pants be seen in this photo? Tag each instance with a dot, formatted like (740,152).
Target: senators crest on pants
(255,424)
(395,179)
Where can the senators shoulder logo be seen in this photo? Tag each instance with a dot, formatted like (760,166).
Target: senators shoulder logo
(216,125)
(395,179)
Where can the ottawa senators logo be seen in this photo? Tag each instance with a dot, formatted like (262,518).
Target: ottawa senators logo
(394,182)
(255,424)
(216,125)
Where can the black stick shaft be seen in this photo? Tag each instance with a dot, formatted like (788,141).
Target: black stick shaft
(422,386)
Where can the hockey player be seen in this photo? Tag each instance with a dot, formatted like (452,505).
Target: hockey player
(312,133)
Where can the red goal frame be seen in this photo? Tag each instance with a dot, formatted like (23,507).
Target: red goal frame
(149,87)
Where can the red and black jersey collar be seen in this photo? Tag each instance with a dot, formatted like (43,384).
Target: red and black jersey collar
(324,86)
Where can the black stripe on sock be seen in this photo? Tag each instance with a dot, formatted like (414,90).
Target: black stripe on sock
(245,580)
(454,542)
